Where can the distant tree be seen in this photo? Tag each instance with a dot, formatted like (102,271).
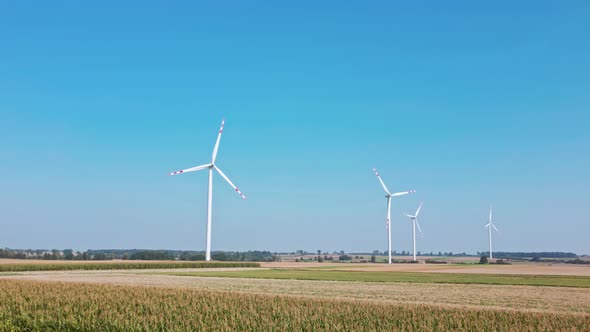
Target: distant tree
(68,254)
(220,256)
(55,254)
(99,257)
(483,260)
(187,256)
(319,252)
(320,259)
(373,259)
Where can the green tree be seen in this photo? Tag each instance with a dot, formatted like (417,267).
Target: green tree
(68,254)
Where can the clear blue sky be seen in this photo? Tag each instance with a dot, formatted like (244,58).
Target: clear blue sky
(468,103)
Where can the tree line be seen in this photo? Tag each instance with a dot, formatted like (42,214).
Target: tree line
(137,254)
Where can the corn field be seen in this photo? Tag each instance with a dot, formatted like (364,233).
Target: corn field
(41,306)
(120,266)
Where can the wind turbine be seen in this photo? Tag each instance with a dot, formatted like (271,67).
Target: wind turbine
(414,219)
(389,196)
(489,226)
(211,166)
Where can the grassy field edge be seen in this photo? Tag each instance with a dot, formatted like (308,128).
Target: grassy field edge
(411,277)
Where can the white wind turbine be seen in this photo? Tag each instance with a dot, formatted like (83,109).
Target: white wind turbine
(211,166)
(414,219)
(389,196)
(489,226)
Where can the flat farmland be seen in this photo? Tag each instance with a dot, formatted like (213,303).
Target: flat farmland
(395,300)
(24,265)
(532,269)
(528,298)
(406,277)
(43,306)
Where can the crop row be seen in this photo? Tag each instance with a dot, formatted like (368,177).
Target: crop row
(41,306)
(120,266)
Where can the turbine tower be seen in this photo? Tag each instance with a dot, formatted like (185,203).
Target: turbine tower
(211,166)
(389,195)
(414,220)
(489,226)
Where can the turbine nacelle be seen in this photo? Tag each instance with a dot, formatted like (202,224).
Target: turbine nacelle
(212,165)
(490,223)
(414,218)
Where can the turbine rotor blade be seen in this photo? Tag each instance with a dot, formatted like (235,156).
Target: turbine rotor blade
(409,215)
(418,224)
(382,183)
(487,225)
(228,181)
(495,228)
(192,169)
(490,213)
(216,147)
(419,207)
(403,193)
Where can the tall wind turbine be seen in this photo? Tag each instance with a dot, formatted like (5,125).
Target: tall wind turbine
(489,226)
(414,219)
(389,196)
(211,166)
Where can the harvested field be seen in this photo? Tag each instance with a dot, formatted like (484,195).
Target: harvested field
(531,269)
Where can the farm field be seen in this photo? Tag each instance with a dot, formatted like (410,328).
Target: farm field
(117,265)
(520,268)
(407,277)
(528,298)
(84,307)
(317,296)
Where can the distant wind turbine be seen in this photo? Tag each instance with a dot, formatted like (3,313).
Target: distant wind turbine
(211,166)
(489,226)
(414,219)
(389,196)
